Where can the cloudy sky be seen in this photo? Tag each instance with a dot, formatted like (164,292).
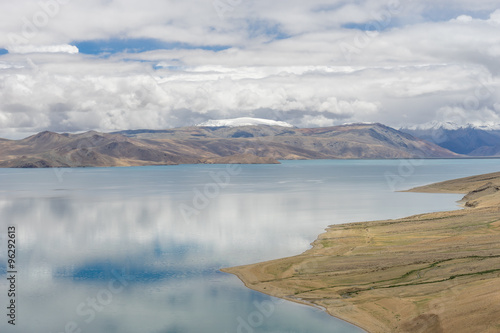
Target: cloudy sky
(68,65)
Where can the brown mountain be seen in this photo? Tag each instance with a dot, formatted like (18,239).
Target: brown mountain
(189,145)
(346,141)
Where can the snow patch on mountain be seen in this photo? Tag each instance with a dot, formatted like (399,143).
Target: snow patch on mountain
(359,123)
(488,127)
(433,125)
(437,125)
(244,121)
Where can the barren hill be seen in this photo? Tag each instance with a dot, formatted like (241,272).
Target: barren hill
(188,145)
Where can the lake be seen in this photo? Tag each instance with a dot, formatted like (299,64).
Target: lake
(139,249)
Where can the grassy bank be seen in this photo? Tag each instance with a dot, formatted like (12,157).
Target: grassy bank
(437,272)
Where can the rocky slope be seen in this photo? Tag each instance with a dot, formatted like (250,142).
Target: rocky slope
(48,149)
(346,141)
(466,140)
(235,144)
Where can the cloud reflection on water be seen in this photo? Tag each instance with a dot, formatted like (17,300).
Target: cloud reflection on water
(76,236)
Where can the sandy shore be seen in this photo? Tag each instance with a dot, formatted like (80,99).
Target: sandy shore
(436,272)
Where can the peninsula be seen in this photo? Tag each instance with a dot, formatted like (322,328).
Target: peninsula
(435,272)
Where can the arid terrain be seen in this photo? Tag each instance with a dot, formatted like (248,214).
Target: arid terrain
(436,272)
(192,145)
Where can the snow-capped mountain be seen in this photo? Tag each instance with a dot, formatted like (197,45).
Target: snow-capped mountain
(488,127)
(447,125)
(359,123)
(433,125)
(469,139)
(244,121)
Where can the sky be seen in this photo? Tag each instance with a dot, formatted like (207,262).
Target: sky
(108,65)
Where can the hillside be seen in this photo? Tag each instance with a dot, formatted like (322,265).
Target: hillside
(436,272)
(48,149)
(346,141)
(467,140)
(221,144)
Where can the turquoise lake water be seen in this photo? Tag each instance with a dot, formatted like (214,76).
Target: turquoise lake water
(139,249)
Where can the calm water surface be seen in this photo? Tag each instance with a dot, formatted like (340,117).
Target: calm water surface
(139,249)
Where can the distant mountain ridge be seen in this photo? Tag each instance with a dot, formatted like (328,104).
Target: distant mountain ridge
(467,140)
(448,125)
(219,144)
(346,141)
(49,149)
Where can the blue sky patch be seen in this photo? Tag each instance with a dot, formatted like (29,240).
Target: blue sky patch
(257,28)
(3,51)
(442,14)
(370,26)
(433,15)
(111,46)
(360,26)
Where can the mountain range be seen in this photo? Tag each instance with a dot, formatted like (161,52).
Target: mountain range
(218,143)
(466,140)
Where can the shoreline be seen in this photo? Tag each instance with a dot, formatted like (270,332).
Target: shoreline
(294,300)
(404,274)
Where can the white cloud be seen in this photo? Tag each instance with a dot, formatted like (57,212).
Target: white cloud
(409,72)
(495,16)
(24,49)
(464,18)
